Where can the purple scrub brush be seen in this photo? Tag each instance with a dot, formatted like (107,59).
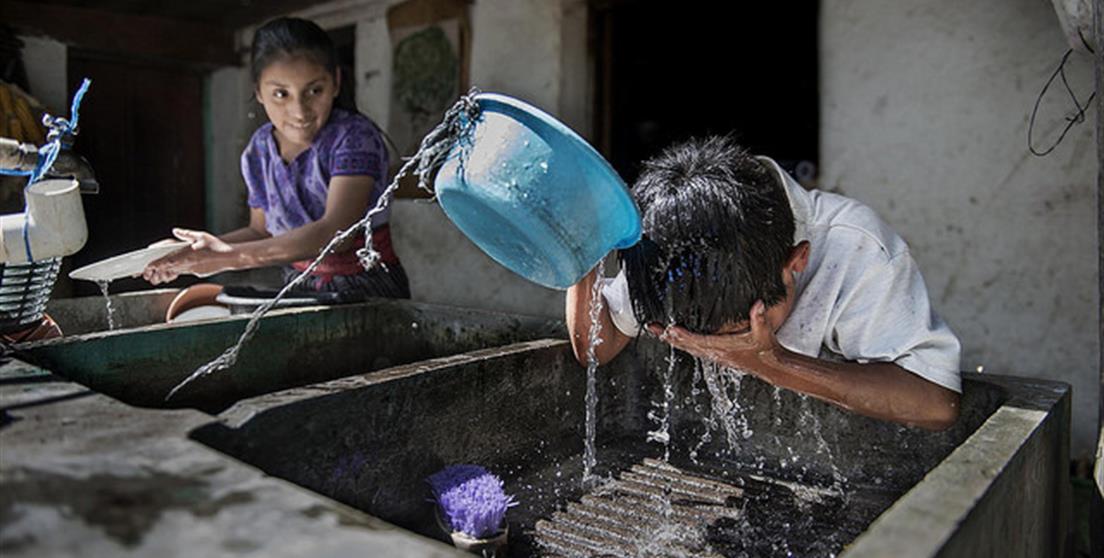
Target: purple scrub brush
(471,500)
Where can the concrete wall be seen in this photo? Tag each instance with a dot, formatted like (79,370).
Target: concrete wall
(231,117)
(925,108)
(46,62)
(517,49)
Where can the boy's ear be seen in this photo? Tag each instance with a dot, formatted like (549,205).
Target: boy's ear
(799,257)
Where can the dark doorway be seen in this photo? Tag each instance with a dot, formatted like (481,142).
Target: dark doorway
(141,128)
(668,72)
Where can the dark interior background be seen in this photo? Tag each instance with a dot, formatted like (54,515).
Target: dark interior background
(748,69)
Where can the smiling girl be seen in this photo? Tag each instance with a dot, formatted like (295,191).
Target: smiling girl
(314,169)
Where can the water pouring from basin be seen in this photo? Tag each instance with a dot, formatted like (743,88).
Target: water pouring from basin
(536,198)
(533,195)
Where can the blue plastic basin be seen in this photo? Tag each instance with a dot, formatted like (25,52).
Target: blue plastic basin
(535,196)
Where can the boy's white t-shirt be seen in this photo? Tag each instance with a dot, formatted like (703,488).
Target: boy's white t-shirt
(860,298)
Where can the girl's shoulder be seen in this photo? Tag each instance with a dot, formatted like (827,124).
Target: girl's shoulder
(347,131)
(343,123)
(260,142)
(260,149)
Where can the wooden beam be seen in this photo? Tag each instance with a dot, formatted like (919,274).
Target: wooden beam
(132,36)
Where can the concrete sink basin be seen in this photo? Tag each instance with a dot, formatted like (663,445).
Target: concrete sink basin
(806,479)
(141,363)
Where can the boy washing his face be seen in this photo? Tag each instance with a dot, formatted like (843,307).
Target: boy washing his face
(806,290)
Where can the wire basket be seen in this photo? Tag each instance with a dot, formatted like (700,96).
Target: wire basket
(24,291)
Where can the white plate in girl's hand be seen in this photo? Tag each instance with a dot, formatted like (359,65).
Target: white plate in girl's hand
(125,265)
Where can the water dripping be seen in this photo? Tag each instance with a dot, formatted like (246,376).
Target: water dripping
(662,434)
(726,409)
(777,406)
(110,306)
(809,416)
(707,420)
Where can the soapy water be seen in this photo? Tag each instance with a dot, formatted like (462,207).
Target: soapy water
(110,307)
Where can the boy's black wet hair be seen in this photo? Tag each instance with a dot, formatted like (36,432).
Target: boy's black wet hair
(718,230)
(286,37)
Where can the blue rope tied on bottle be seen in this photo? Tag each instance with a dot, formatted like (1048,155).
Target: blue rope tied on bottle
(59,128)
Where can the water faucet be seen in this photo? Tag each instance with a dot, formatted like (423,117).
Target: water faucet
(53,224)
(24,156)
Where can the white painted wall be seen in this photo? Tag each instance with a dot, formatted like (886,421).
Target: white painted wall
(446,268)
(46,62)
(516,49)
(228,129)
(925,107)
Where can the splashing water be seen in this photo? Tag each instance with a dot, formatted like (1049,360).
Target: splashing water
(590,458)
(725,409)
(707,420)
(662,434)
(809,416)
(453,131)
(107,303)
(777,406)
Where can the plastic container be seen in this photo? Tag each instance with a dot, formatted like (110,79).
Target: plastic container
(197,302)
(535,196)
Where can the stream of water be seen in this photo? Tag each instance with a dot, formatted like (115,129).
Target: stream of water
(590,458)
(107,303)
(662,434)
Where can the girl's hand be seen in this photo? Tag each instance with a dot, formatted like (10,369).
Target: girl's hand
(200,258)
(202,240)
(167,268)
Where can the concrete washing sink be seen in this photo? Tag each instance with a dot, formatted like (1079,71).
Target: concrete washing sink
(369,441)
(140,362)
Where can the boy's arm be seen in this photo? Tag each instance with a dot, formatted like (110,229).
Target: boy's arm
(880,390)
(578,323)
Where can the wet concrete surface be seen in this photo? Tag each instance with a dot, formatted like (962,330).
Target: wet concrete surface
(84,475)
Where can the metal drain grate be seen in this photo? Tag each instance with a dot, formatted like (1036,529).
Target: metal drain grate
(24,291)
(630,516)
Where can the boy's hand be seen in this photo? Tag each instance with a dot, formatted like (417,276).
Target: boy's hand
(747,350)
